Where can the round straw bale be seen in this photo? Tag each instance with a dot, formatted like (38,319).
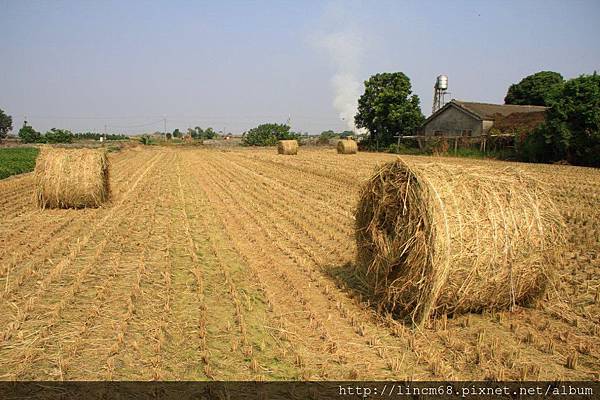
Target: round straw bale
(347,146)
(71,178)
(438,239)
(289,147)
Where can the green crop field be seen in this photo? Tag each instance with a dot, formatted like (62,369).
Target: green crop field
(17,160)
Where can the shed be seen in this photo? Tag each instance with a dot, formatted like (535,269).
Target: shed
(462,118)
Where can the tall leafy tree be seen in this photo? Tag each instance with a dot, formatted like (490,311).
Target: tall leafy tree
(537,89)
(5,124)
(388,108)
(573,122)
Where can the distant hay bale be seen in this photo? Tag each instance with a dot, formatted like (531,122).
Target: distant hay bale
(289,147)
(347,146)
(71,178)
(443,239)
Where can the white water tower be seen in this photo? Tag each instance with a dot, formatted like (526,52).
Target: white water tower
(439,90)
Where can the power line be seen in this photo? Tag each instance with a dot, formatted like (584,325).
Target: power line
(186,117)
(135,126)
(86,117)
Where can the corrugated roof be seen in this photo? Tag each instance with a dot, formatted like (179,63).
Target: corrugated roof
(491,111)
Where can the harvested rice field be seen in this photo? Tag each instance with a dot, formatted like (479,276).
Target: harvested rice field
(237,265)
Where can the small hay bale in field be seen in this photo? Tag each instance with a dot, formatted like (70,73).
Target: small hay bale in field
(289,147)
(71,178)
(347,146)
(442,239)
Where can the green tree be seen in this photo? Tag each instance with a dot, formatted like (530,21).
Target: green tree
(536,89)
(29,135)
(387,108)
(177,133)
(209,133)
(199,132)
(325,136)
(267,135)
(58,136)
(572,125)
(5,124)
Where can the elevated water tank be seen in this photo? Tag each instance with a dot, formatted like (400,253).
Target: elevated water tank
(442,82)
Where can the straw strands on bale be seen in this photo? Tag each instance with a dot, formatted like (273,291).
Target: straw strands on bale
(289,147)
(71,178)
(347,146)
(442,239)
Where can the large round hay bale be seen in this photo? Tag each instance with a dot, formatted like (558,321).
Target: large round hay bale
(444,239)
(289,147)
(71,178)
(347,146)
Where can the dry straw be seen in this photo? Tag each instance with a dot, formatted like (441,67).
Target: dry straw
(289,147)
(71,178)
(347,146)
(439,239)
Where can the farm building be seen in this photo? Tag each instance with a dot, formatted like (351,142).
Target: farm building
(461,118)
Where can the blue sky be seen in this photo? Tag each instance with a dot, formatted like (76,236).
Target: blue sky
(234,64)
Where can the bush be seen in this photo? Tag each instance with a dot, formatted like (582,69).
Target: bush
(393,148)
(208,133)
(533,147)
(438,145)
(29,135)
(326,136)
(145,139)
(58,136)
(97,136)
(202,134)
(268,135)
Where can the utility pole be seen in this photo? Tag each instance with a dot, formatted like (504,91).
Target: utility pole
(165,122)
(104,131)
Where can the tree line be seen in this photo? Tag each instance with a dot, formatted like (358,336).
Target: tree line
(97,136)
(27,134)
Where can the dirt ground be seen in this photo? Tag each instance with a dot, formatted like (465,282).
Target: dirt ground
(234,264)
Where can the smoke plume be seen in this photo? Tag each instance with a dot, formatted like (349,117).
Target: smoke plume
(344,49)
